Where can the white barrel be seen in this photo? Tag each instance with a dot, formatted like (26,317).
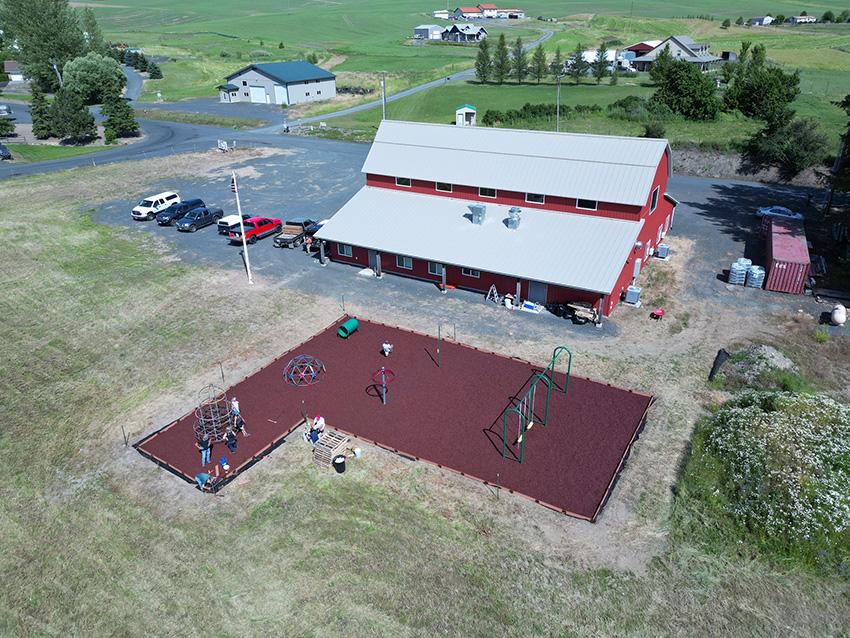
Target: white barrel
(839,314)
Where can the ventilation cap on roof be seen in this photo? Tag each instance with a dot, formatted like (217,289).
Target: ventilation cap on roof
(514,215)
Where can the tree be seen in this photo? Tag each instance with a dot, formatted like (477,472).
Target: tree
(71,119)
(130,58)
(120,119)
(280,45)
(141,62)
(577,64)
(599,66)
(94,76)
(48,35)
(615,75)
(726,23)
(828,16)
(779,19)
(7,126)
(687,91)
(483,63)
(538,63)
(792,147)
(844,16)
(654,129)
(661,65)
(739,21)
(42,124)
(501,60)
(841,169)
(92,32)
(758,90)
(519,61)
(154,72)
(557,66)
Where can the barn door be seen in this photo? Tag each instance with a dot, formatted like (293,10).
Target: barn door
(537,292)
(258,94)
(636,271)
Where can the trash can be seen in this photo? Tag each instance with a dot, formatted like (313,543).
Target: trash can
(349,327)
(339,463)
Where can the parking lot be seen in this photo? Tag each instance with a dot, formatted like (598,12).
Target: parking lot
(714,217)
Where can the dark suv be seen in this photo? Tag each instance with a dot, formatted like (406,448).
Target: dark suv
(177,211)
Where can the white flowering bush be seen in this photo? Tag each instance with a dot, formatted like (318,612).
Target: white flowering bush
(785,464)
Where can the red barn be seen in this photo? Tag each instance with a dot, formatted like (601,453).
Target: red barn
(549,217)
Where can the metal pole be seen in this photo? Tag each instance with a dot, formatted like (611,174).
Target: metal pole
(558,106)
(343,303)
(242,229)
(126,440)
(221,369)
(439,338)
(383,386)
(383,95)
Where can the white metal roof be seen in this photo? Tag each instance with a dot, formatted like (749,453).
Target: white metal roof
(600,167)
(566,249)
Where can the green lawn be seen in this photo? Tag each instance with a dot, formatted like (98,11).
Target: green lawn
(199,118)
(44,152)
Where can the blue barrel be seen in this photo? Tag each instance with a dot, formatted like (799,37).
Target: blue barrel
(348,328)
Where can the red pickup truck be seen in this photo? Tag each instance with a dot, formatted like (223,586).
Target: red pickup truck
(256,228)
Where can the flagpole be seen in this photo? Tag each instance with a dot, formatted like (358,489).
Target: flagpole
(242,229)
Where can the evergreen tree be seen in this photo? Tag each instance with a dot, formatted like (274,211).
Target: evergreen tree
(501,60)
(92,32)
(280,45)
(828,16)
(141,62)
(130,58)
(42,124)
(577,64)
(120,118)
(7,126)
(557,66)
(615,75)
(154,72)
(661,65)
(71,118)
(726,23)
(599,67)
(519,64)
(538,63)
(483,63)
(739,21)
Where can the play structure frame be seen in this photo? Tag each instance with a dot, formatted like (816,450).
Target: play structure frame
(525,407)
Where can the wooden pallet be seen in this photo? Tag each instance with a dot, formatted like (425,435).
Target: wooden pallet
(329,446)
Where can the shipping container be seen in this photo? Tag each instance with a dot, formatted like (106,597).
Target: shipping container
(787,257)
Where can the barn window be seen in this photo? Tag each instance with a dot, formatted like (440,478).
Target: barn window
(307,93)
(244,82)
(344,250)
(469,272)
(318,92)
(443,187)
(402,181)
(245,94)
(435,268)
(404,262)
(587,204)
(535,198)
(654,202)
(486,192)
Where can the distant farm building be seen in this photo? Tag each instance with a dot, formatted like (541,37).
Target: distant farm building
(761,21)
(681,48)
(642,47)
(467,13)
(13,69)
(441,14)
(464,33)
(549,217)
(279,83)
(485,11)
(801,20)
(428,32)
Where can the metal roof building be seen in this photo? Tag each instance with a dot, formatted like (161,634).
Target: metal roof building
(291,82)
(555,217)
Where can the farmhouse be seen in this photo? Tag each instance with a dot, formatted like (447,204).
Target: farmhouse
(464,33)
(428,32)
(801,20)
(761,21)
(279,83)
(13,69)
(550,217)
(681,48)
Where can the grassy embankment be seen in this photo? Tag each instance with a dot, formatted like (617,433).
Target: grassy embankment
(45,152)
(199,118)
(102,329)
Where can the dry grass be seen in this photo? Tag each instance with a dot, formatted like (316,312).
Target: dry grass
(101,332)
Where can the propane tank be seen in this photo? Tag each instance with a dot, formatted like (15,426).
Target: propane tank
(839,315)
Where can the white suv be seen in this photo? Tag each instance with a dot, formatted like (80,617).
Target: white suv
(150,206)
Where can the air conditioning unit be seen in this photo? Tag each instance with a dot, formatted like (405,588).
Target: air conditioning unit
(478,212)
(633,295)
(514,216)
(662,251)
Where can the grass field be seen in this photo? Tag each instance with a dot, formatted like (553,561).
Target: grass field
(44,152)
(103,330)
(199,118)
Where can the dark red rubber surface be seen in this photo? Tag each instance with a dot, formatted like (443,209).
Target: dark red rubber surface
(450,416)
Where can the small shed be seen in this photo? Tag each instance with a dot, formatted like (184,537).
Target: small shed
(465,115)
(787,257)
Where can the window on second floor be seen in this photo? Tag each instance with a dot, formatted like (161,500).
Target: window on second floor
(535,198)
(402,181)
(654,201)
(443,187)
(587,204)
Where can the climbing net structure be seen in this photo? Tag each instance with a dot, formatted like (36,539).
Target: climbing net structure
(213,414)
(303,370)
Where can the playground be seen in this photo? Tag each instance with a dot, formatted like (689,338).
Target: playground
(534,430)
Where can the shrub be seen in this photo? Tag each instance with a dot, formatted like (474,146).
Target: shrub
(784,463)
(654,129)
(821,335)
(223,54)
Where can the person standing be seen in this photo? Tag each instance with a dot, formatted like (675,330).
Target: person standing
(205,446)
(238,421)
(230,439)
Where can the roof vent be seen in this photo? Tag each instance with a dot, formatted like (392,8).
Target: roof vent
(478,211)
(514,215)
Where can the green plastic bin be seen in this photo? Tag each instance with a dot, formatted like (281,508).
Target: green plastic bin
(348,328)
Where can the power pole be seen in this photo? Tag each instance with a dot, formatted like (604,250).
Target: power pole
(558,107)
(383,96)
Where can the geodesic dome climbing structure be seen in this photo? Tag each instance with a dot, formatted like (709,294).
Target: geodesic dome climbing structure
(303,370)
